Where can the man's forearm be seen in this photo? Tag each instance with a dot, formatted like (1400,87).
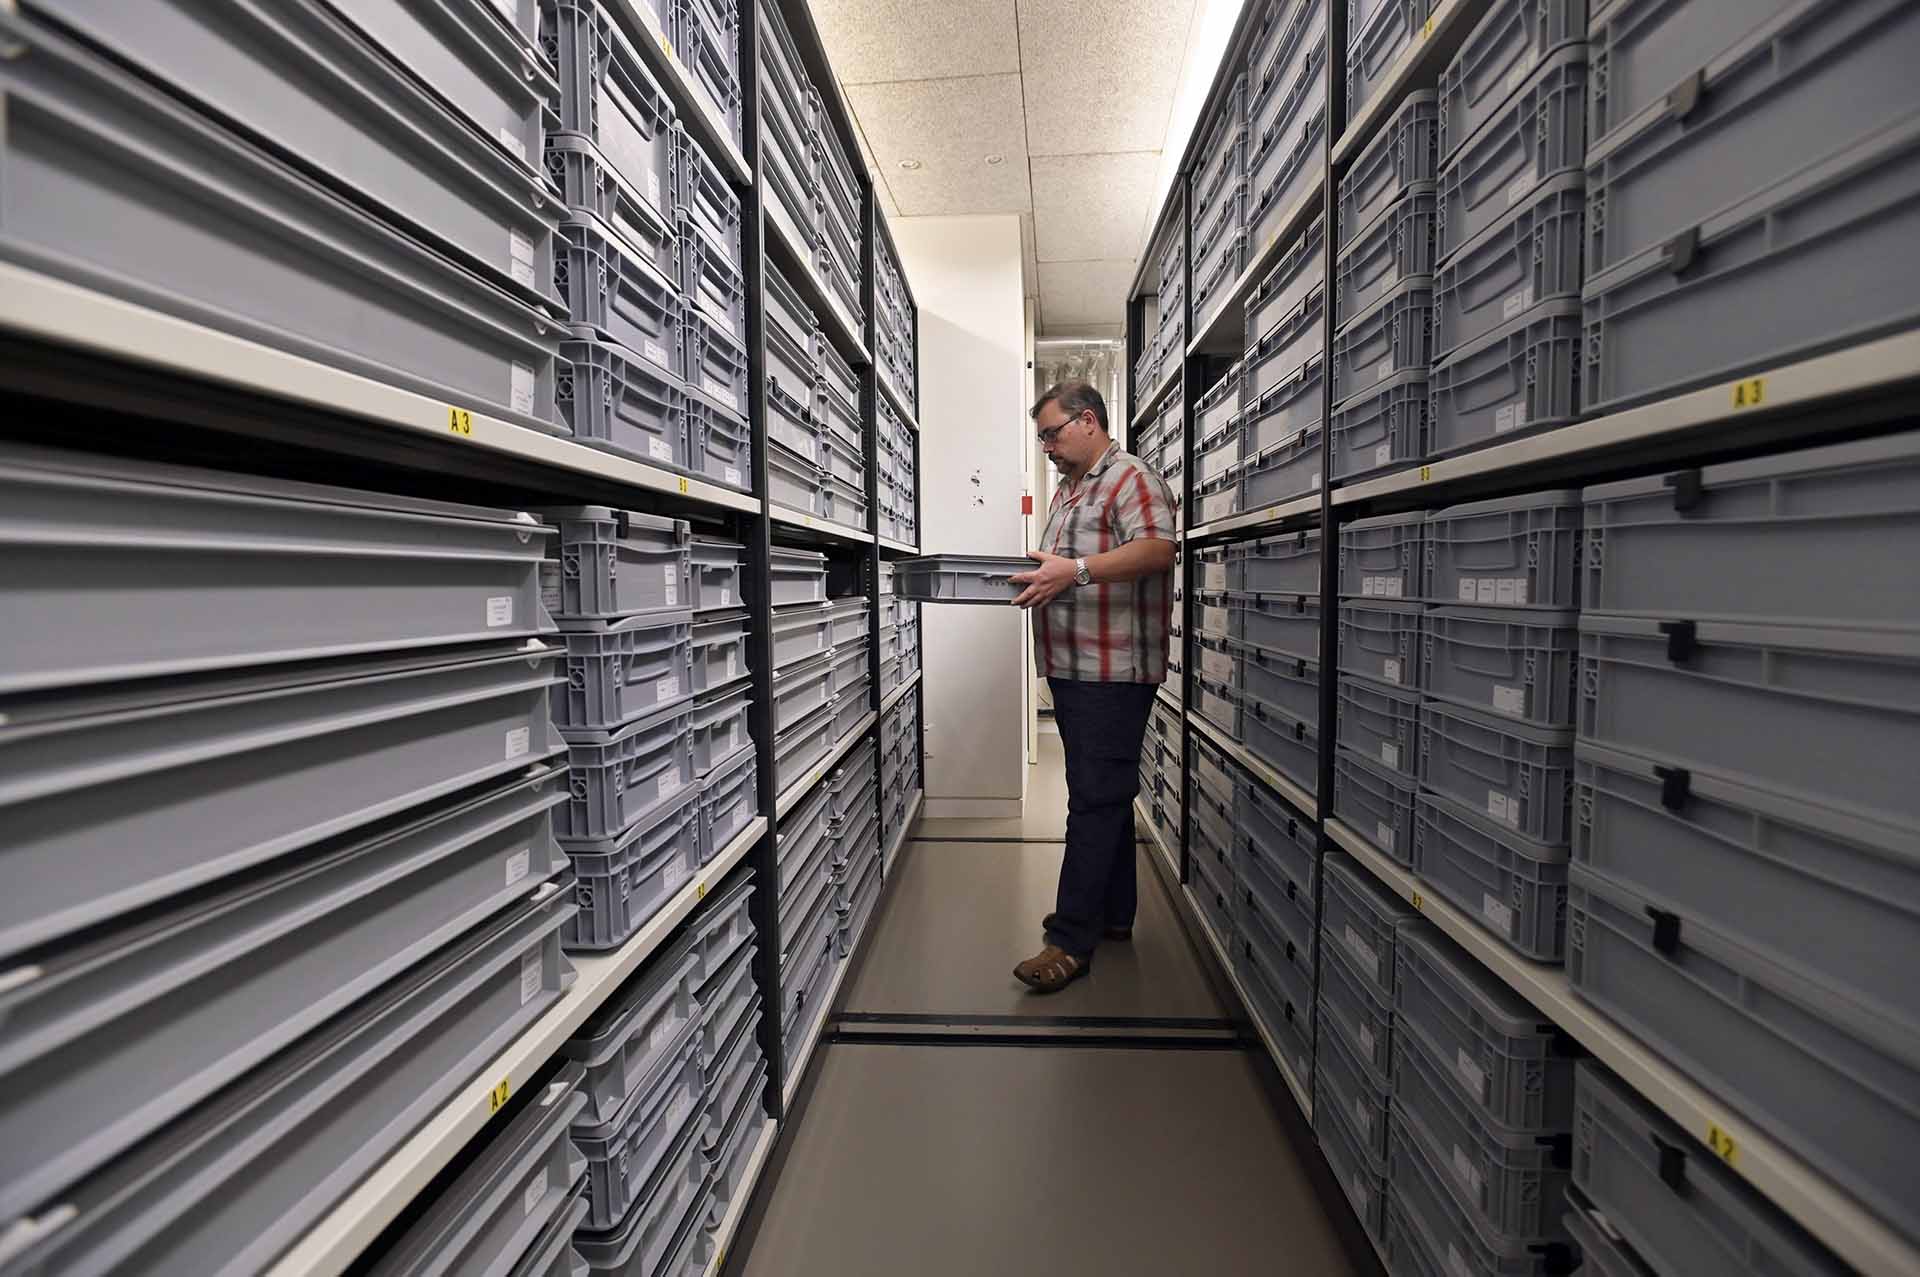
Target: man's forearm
(1146,556)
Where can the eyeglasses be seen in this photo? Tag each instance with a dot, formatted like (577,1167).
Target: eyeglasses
(1050,436)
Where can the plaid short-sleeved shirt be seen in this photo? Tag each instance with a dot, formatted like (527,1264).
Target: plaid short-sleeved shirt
(1114,632)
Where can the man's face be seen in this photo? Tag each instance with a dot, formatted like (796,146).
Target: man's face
(1073,442)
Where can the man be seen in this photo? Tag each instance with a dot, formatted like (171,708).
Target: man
(1102,598)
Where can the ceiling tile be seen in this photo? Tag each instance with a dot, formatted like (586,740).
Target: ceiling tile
(1091,206)
(870,41)
(950,127)
(1101,76)
(1080,293)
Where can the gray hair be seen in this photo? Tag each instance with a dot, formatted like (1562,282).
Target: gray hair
(1074,398)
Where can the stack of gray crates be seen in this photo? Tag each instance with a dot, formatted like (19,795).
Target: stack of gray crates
(844,439)
(842,260)
(328,864)
(1511,218)
(802,645)
(713,305)
(1747,706)
(899,635)
(1480,1147)
(1164,352)
(1217,206)
(854,802)
(895,327)
(1217,445)
(797,448)
(450,230)
(620,583)
(899,768)
(725,762)
(1210,800)
(705,37)
(808,858)
(1276,453)
(1378,33)
(1383,295)
(673,1083)
(1276,866)
(1802,112)
(1376,762)
(1286,115)
(1362,929)
(899,487)
(853,691)
(1161,442)
(1162,771)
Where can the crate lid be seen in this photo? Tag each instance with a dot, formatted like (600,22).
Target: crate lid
(1410,518)
(1495,1002)
(1518,843)
(1838,640)
(1861,454)
(1557,498)
(1502,615)
(1532,733)
(1555,312)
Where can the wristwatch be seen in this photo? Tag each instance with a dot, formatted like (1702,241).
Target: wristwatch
(1081,576)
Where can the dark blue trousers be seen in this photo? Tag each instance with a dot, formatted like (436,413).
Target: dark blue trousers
(1101,727)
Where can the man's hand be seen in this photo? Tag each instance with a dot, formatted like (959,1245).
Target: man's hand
(1045,583)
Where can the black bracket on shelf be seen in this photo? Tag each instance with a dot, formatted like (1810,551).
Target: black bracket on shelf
(1676,786)
(1688,492)
(1673,1164)
(1666,930)
(1683,639)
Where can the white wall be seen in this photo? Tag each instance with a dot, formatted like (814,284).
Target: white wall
(965,275)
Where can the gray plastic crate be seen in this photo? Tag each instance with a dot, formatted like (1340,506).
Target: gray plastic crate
(796,415)
(1835,1085)
(1519,775)
(1288,52)
(727,1166)
(1511,1061)
(850,786)
(1295,341)
(720,728)
(851,621)
(613,294)
(1456,1242)
(958,578)
(1653,331)
(1284,438)
(715,574)
(792,480)
(1734,699)
(801,688)
(1379,32)
(1218,452)
(1287,683)
(270,763)
(1289,166)
(1508,1183)
(1284,564)
(1511,552)
(619,777)
(716,362)
(706,35)
(518,1183)
(1281,838)
(303,571)
(1276,1002)
(1300,270)
(1344,1085)
(729,800)
(801,746)
(1757,540)
(1602,1252)
(701,191)
(1375,803)
(642,1240)
(710,278)
(193,997)
(1354,1009)
(1276,932)
(209,229)
(592,191)
(1531,255)
(609,96)
(1537,133)
(621,882)
(1400,159)
(1504,661)
(309,85)
(621,671)
(1288,624)
(1382,641)
(719,646)
(1381,724)
(727,1001)
(1393,339)
(1211,291)
(800,631)
(1404,1248)
(1383,557)
(627,1047)
(1521,378)
(1671,1199)
(1218,408)
(552,1253)
(1384,428)
(1219,704)
(719,444)
(796,576)
(729,1071)
(1743,858)
(1513,886)
(1363,1182)
(845,503)
(1499,56)
(843,383)
(231,1185)
(1397,246)
(1363,921)
(841,459)
(615,563)
(623,405)
(793,337)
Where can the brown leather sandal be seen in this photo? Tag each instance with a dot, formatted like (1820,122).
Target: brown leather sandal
(1050,970)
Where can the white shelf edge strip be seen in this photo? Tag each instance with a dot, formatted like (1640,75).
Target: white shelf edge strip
(54,310)
(893,697)
(1827,1212)
(902,546)
(1257,263)
(660,50)
(814,523)
(357,1219)
(792,795)
(1869,365)
(1254,518)
(906,827)
(1262,772)
(742,1195)
(1300,1096)
(899,399)
(1393,87)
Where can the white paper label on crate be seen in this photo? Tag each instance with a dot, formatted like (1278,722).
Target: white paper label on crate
(499,611)
(520,255)
(1509,700)
(1516,301)
(715,386)
(1518,76)
(1456,1262)
(655,352)
(1517,189)
(1466,589)
(653,189)
(1470,1073)
(1496,806)
(1486,589)
(1520,591)
(669,784)
(1498,915)
(521,388)
(511,140)
(1383,454)
(1363,951)
(534,1193)
(530,976)
(1313,481)
(1503,593)
(519,741)
(550,596)
(660,450)
(1390,670)
(1510,416)
(1363,1118)
(1384,369)
(1383,835)
(733,664)
(1463,1170)
(733,736)
(519,865)
(1366,1040)
(667,688)
(1392,584)
(1366,586)
(1390,754)
(732,475)
(670,579)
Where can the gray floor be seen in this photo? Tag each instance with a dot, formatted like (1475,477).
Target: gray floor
(948,1160)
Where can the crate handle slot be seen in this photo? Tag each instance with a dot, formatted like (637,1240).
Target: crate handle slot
(1682,640)
(1688,492)
(1673,1164)
(1676,785)
(1683,99)
(1683,250)
(1666,930)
